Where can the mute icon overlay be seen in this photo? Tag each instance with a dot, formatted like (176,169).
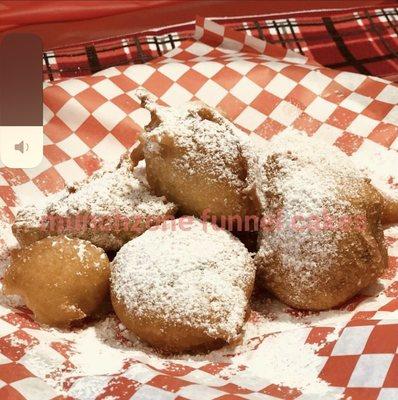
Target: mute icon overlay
(22,147)
(21,100)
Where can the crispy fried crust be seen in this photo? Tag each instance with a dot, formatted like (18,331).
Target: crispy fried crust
(359,260)
(192,188)
(60,279)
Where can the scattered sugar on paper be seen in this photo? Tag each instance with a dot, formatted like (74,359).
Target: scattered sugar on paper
(283,359)
(380,164)
(7,242)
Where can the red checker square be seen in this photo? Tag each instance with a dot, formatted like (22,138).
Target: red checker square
(54,97)
(175,369)
(390,306)
(338,369)
(335,92)
(265,102)
(88,162)
(234,389)
(9,393)
(229,397)
(231,106)
(192,81)
(62,348)
(349,143)
(295,72)
(90,99)
(261,75)
(120,388)
(126,131)
(56,130)
(281,392)
(363,315)
(392,374)
(158,83)
(341,118)
(377,109)
(370,88)
(126,103)
(227,78)
(301,97)
(13,372)
(125,83)
(6,215)
(214,368)
(49,181)
(15,344)
(384,134)
(54,154)
(92,80)
(8,195)
(307,124)
(361,393)
(383,339)
(14,176)
(183,55)
(215,53)
(269,128)
(318,335)
(392,290)
(91,132)
(276,51)
(363,322)
(331,73)
(168,383)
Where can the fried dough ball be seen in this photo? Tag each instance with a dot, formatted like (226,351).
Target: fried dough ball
(199,160)
(108,209)
(61,279)
(322,240)
(183,286)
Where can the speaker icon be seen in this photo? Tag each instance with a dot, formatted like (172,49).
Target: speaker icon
(22,147)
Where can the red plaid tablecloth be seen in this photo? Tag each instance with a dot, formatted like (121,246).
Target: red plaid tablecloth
(361,40)
(263,88)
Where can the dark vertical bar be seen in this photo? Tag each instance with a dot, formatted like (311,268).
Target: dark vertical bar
(93,60)
(345,52)
(48,66)
(295,36)
(142,56)
(173,46)
(259,30)
(281,39)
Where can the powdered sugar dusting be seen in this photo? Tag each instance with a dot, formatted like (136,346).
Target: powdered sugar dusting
(111,191)
(380,164)
(204,137)
(7,243)
(195,276)
(115,204)
(303,179)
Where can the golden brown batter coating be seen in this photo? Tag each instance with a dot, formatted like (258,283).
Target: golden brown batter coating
(184,287)
(61,279)
(390,210)
(199,160)
(328,243)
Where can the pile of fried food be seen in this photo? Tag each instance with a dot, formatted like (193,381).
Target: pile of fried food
(195,216)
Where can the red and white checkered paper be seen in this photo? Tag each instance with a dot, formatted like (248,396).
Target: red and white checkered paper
(263,88)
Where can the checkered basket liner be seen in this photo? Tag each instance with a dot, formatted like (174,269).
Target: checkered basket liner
(262,88)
